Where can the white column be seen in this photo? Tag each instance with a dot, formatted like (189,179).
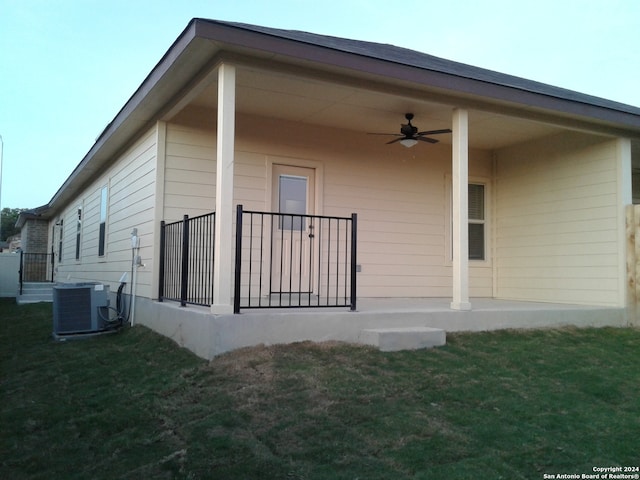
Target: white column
(460,177)
(223,271)
(625,198)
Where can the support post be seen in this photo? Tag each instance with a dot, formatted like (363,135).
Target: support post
(354,258)
(161,264)
(223,273)
(184,279)
(238,263)
(460,177)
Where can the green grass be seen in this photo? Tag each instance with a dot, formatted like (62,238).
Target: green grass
(494,405)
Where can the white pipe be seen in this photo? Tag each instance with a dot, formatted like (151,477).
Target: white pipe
(133,292)
(135,249)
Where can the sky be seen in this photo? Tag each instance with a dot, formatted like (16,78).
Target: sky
(68,66)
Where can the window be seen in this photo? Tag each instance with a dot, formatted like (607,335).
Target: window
(292,199)
(476,222)
(478,192)
(102,235)
(78,232)
(61,224)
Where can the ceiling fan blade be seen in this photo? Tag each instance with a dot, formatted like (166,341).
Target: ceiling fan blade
(427,139)
(396,140)
(388,134)
(435,132)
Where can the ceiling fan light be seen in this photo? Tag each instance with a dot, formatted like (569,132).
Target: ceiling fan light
(408,142)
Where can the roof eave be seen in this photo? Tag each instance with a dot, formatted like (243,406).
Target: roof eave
(141,110)
(490,86)
(201,40)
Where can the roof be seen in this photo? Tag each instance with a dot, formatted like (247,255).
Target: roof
(33,214)
(200,46)
(413,58)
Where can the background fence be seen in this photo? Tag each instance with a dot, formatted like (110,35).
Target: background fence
(35,267)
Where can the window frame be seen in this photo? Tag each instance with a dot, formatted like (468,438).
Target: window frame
(472,180)
(78,233)
(298,222)
(102,225)
(60,224)
(478,221)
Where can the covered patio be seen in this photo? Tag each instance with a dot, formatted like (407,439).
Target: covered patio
(518,202)
(510,213)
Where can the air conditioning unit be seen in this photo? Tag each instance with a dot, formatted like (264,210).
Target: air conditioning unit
(80,308)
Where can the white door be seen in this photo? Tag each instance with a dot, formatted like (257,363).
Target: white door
(292,235)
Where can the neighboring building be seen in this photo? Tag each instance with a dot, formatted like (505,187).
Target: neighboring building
(15,243)
(34,232)
(524,199)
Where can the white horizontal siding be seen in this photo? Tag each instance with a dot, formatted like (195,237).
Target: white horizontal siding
(553,229)
(131,190)
(552,235)
(190,171)
(250,183)
(399,195)
(556,221)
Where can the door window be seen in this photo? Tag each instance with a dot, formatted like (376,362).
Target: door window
(292,199)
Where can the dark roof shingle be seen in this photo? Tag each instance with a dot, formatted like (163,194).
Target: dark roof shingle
(413,58)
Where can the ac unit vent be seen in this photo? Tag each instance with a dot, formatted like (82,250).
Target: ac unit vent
(79,308)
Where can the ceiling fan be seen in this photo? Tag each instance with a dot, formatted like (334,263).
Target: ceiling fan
(409,135)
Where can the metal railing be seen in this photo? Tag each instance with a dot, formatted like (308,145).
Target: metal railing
(186,260)
(35,267)
(294,261)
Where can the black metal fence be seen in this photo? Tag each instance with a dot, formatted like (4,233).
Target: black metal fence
(35,267)
(286,260)
(186,260)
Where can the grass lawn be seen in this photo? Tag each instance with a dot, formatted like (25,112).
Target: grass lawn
(133,405)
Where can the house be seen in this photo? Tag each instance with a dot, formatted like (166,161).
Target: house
(518,207)
(14,242)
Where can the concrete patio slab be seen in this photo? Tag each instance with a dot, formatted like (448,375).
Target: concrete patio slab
(210,335)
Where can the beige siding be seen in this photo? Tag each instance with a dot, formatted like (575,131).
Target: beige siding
(552,229)
(131,189)
(400,197)
(557,231)
(190,171)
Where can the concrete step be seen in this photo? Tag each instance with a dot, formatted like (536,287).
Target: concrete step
(34,292)
(409,338)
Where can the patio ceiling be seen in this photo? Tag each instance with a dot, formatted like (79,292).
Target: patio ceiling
(362,109)
(345,84)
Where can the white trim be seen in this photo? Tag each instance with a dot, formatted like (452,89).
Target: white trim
(107,186)
(79,232)
(488,221)
(625,197)
(158,213)
(460,176)
(223,271)
(296,162)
